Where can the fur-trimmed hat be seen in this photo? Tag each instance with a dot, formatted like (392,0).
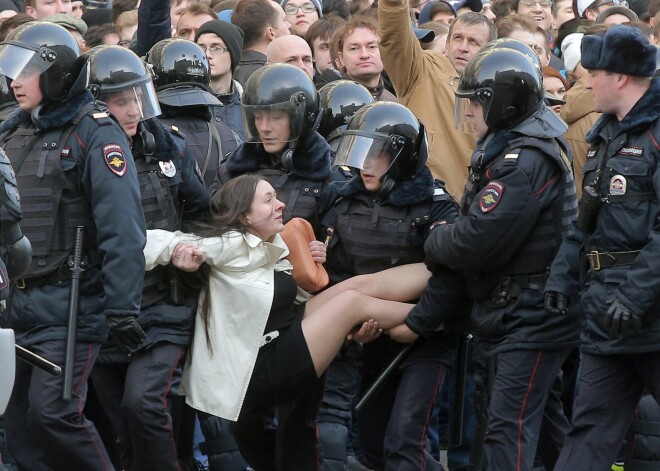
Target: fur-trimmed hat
(622,49)
(230,34)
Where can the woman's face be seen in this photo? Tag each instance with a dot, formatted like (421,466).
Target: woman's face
(265,216)
(556,88)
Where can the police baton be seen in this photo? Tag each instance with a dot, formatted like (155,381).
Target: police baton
(76,267)
(394,364)
(37,361)
(458,408)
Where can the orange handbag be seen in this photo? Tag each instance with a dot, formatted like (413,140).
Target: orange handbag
(309,275)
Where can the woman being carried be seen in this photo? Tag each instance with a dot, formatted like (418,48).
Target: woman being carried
(260,347)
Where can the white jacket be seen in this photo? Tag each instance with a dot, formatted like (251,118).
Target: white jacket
(241,295)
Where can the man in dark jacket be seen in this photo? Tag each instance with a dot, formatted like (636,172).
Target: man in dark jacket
(519,199)
(74,167)
(617,240)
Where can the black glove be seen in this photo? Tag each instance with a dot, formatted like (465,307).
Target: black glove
(555,303)
(621,320)
(126,331)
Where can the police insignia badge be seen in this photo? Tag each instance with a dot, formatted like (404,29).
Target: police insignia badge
(114,158)
(618,185)
(168,168)
(491,196)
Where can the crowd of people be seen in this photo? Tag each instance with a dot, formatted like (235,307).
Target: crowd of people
(481,179)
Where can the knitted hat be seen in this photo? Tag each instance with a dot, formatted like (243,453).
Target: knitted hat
(570,50)
(231,35)
(622,49)
(317,3)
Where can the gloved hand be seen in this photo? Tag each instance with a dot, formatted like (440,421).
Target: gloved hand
(556,303)
(126,330)
(620,320)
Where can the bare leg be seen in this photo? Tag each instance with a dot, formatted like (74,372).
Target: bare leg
(403,283)
(325,327)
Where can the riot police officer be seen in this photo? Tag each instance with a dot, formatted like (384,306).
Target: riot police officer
(132,388)
(74,167)
(381,219)
(519,200)
(181,78)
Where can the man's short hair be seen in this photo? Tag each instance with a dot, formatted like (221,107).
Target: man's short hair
(253,17)
(120,6)
(502,8)
(96,34)
(473,18)
(127,19)
(199,9)
(515,22)
(13,22)
(323,28)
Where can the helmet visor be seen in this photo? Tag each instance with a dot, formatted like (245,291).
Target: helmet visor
(21,63)
(139,100)
(372,153)
(276,123)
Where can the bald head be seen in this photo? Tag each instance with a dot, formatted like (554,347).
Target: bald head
(291,49)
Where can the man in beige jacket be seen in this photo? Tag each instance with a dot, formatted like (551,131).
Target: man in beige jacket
(426,85)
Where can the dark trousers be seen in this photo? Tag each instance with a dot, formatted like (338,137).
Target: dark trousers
(134,395)
(342,378)
(392,425)
(44,432)
(292,444)
(220,446)
(519,406)
(608,390)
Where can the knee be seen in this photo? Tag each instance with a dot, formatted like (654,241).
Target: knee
(140,410)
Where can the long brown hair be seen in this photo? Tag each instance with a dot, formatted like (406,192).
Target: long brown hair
(228,206)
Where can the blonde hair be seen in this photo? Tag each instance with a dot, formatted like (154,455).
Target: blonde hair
(127,19)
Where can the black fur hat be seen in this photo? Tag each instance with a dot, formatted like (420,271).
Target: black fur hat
(622,49)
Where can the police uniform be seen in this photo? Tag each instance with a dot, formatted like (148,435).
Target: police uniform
(516,205)
(208,140)
(132,389)
(373,233)
(74,167)
(618,253)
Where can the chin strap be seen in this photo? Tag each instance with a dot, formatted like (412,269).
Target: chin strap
(386,185)
(287,157)
(148,141)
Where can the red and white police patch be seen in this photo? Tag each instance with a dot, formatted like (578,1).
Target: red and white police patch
(491,196)
(114,157)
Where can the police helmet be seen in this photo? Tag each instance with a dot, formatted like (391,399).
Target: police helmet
(340,100)
(49,50)
(516,45)
(181,73)
(6,92)
(116,69)
(507,85)
(384,139)
(282,88)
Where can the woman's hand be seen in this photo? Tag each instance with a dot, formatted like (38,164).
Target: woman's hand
(187,257)
(366,333)
(318,250)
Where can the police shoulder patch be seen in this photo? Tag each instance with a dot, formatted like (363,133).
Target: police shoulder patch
(491,196)
(114,158)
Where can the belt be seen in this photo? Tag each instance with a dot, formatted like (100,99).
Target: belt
(58,275)
(600,260)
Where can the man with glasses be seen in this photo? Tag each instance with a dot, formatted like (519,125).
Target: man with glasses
(591,9)
(539,10)
(301,14)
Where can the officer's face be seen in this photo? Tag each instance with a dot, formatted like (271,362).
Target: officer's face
(474,114)
(27,91)
(603,86)
(371,175)
(265,216)
(273,128)
(126,107)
